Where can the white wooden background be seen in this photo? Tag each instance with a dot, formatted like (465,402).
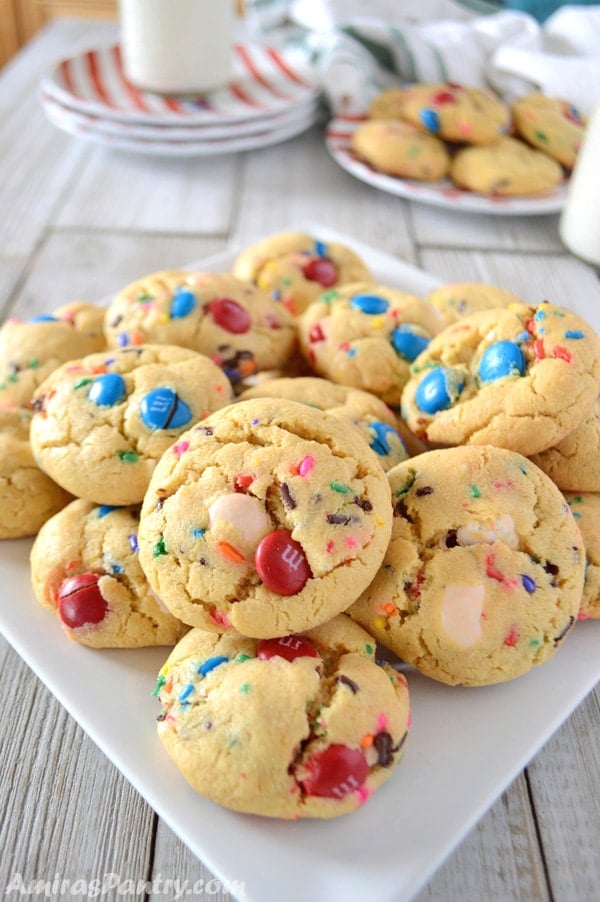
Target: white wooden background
(78,221)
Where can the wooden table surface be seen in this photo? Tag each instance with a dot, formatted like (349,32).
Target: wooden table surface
(80,221)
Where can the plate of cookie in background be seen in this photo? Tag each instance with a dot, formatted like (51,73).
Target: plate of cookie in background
(462,148)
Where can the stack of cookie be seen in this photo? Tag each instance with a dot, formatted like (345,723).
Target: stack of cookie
(469,135)
(279,468)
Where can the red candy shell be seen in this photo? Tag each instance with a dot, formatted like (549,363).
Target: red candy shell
(80,600)
(335,772)
(321,270)
(281,563)
(288,647)
(230,315)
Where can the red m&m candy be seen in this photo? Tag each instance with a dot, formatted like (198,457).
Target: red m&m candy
(288,647)
(281,563)
(321,270)
(230,315)
(80,600)
(335,772)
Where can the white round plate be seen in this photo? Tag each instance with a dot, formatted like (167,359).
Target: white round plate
(440,194)
(266,82)
(71,122)
(141,131)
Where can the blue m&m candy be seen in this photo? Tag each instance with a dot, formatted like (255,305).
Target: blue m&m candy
(503,358)
(182,303)
(162,408)
(379,443)
(408,342)
(430,120)
(43,318)
(439,389)
(369,303)
(107,390)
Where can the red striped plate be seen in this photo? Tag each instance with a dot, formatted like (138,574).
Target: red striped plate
(266,82)
(338,137)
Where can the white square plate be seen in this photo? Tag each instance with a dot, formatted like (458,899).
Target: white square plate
(465,746)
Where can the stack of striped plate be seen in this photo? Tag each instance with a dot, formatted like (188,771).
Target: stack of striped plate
(272,96)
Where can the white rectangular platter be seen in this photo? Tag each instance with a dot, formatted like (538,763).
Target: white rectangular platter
(465,745)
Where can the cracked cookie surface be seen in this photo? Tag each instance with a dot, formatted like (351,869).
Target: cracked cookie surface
(30,350)
(302,726)
(460,299)
(294,268)
(28,497)
(521,378)
(366,336)
(484,572)
(574,463)
(553,126)
(269,517)
(239,326)
(102,422)
(375,421)
(508,168)
(455,112)
(85,568)
(400,149)
(586,510)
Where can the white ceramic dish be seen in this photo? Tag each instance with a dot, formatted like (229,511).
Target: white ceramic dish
(83,126)
(141,131)
(465,746)
(440,194)
(266,82)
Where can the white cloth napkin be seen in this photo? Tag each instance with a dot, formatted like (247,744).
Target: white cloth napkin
(507,51)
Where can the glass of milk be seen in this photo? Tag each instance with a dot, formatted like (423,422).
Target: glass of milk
(177,46)
(580,219)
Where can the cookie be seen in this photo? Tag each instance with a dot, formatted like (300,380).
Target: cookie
(366,336)
(28,497)
(375,421)
(400,149)
(521,378)
(456,113)
(239,326)
(301,726)
(463,298)
(508,168)
(585,507)
(269,517)
(574,463)
(102,422)
(32,349)
(294,267)
(387,104)
(85,568)
(553,126)
(484,572)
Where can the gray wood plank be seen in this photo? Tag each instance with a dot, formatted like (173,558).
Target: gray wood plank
(65,809)
(498,861)
(564,785)
(450,228)
(94,265)
(174,861)
(279,190)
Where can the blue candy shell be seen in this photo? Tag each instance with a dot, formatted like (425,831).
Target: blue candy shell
(408,343)
(162,408)
(503,358)
(371,304)
(182,303)
(434,390)
(107,390)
